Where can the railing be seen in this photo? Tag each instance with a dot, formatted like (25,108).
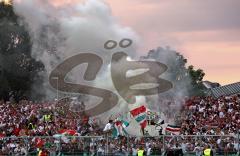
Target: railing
(103,145)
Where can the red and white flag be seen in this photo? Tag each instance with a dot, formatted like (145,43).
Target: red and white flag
(140,115)
(173,129)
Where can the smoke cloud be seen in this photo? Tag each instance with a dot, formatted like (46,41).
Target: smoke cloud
(61,32)
(170,103)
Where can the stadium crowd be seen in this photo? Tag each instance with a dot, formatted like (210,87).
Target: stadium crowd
(23,124)
(211,116)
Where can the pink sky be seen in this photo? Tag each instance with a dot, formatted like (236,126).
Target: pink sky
(206,32)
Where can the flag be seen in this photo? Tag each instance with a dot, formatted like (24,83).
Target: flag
(64,133)
(160,122)
(68,132)
(119,128)
(140,115)
(125,124)
(116,129)
(173,129)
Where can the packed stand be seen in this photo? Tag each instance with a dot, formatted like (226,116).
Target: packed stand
(211,116)
(23,124)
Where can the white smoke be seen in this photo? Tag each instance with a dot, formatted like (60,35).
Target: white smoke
(171,102)
(58,33)
(61,32)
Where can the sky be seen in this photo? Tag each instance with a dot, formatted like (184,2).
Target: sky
(206,32)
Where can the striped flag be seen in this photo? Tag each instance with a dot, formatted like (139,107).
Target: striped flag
(125,124)
(115,131)
(140,115)
(173,129)
(119,128)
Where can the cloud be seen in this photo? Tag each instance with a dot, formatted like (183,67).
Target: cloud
(184,15)
(204,31)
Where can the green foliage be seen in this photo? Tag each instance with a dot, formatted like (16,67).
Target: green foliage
(185,79)
(197,77)
(18,70)
(6,12)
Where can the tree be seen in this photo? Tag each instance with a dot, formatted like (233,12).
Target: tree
(185,79)
(197,77)
(18,70)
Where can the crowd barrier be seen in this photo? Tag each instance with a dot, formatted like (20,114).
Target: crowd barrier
(106,145)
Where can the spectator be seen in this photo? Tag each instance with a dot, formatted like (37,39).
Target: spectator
(200,116)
